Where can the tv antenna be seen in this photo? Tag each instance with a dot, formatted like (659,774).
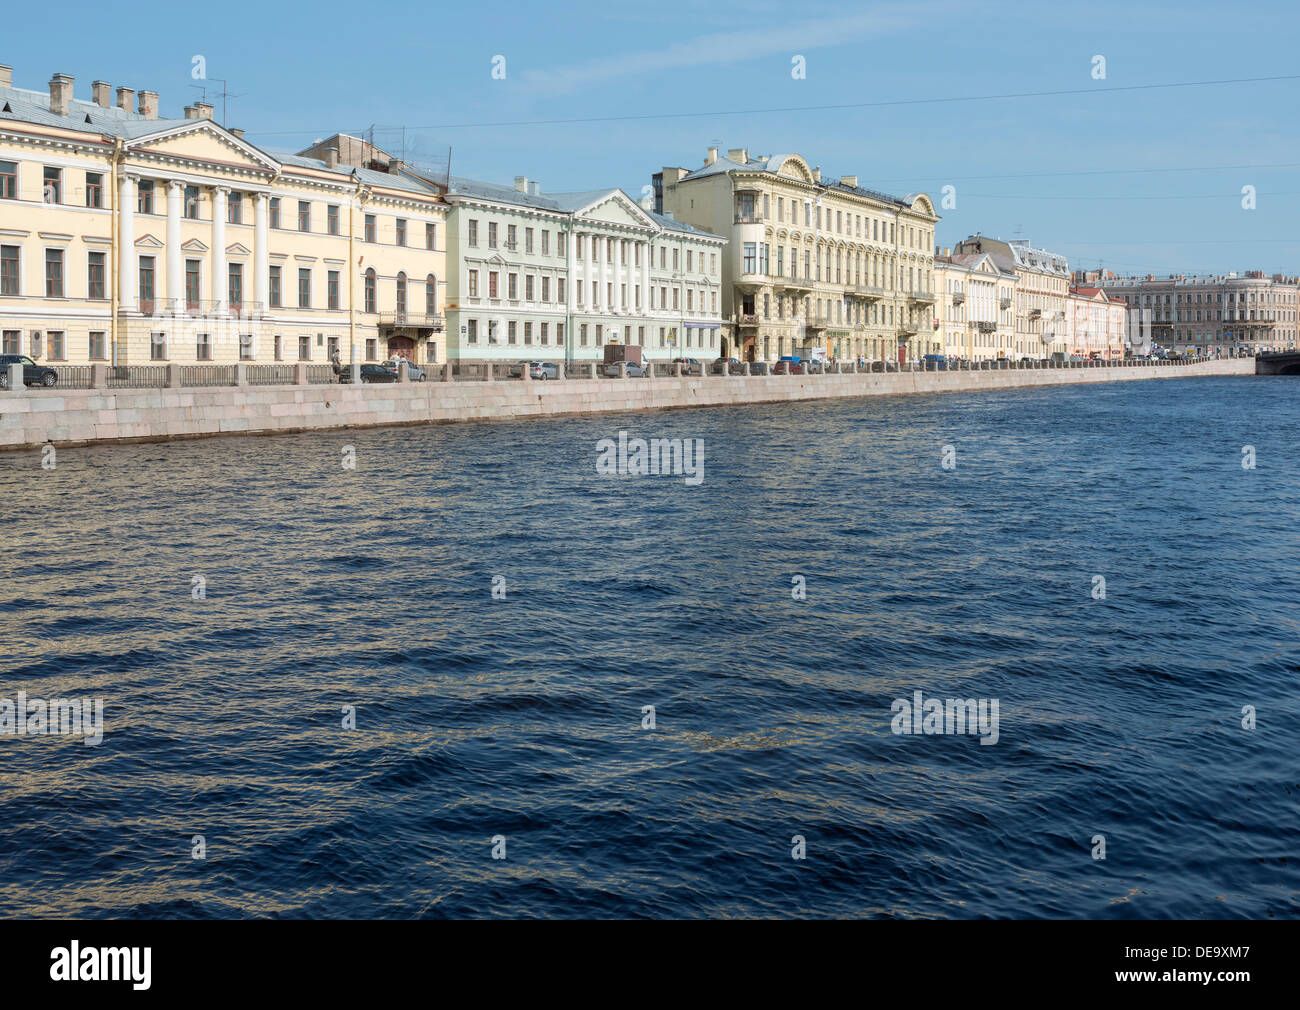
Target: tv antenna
(225,93)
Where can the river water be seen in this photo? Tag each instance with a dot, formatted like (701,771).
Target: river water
(331,594)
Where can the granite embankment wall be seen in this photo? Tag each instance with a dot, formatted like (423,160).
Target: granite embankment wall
(67,417)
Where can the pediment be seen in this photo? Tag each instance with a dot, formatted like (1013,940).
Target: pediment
(148,242)
(194,245)
(203,141)
(616,208)
(238,249)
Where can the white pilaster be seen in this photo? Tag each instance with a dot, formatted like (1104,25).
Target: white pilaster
(647,249)
(570,251)
(175,274)
(220,282)
(261,252)
(620,274)
(126,282)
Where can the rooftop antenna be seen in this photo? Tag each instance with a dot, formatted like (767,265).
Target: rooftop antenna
(225,94)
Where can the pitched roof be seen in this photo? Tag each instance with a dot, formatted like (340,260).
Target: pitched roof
(34,107)
(772,165)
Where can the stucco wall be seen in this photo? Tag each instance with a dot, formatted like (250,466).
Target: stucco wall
(77,417)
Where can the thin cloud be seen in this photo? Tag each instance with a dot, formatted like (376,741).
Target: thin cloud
(722,48)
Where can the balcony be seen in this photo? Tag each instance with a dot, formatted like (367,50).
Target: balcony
(921,297)
(816,322)
(747,320)
(958,297)
(868,292)
(742,218)
(985,326)
(792,284)
(415,320)
(1035,313)
(907,329)
(1004,303)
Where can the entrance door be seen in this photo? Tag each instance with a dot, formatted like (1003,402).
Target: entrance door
(401,347)
(902,354)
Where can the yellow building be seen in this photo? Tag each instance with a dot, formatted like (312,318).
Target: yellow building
(813,267)
(974,306)
(1042,286)
(131,239)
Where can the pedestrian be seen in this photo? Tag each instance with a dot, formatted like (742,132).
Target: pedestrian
(337,365)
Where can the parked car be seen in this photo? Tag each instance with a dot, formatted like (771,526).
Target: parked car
(736,365)
(370,373)
(536,370)
(635,369)
(413,371)
(33,374)
(758,368)
(690,366)
(789,366)
(815,366)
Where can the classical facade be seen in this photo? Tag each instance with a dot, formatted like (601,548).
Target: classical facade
(1042,284)
(1095,323)
(1212,314)
(814,268)
(974,299)
(128,238)
(564,274)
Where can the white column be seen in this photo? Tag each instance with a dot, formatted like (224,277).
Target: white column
(593,269)
(620,275)
(261,253)
(220,283)
(126,283)
(175,277)
(570,251)
(647,250)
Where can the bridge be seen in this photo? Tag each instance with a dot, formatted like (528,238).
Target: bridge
(1278,363)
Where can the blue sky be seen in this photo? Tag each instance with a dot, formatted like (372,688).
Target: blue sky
(1146,180)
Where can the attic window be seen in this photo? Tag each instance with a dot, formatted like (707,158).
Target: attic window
(6,108)
(87,119)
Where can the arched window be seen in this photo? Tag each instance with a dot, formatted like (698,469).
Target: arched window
(401,292)
(370,290)
(431,295)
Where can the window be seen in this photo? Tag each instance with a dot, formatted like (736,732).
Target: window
(203,347)
(370,228)
(97,346)
(95,275)
(53,191)
(471,331)
(235,208)
(401,231)
(273,213)
(512,286)
(94,189)
(304,347)
(304,287)
(234,285)
(401,293)
(546,289)
(559,289)
(512,333)
(751,264)
(492,234)
(332,218)
(304,215)
(157,347)
(559,333)
(147,264)
(11,341)
(332,289)
(430,295)
(55,348)
(473,283)
(190,203)
(528,240)
(9,270)
(492,283)
(53,273)
(546,333)
(369,291)
(372,349)
(473,232)
(8,181)
(274,292)
(431,236)
(528,332)
(144,197)
(546,242)
(511,241)
(277,344)
(245,347)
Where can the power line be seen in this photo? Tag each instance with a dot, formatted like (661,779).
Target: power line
(838,108)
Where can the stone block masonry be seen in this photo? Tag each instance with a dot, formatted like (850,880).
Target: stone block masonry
(72,417)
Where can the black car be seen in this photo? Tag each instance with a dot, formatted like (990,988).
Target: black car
(33,374)
(370,373)
(737,367)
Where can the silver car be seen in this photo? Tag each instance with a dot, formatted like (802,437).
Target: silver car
(413,371)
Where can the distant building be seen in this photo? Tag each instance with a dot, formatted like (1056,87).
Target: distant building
(1205,314)
(974,299)
(1042,285)
(815,267)
(1094,323)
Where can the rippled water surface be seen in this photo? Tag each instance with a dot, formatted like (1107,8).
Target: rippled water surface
(521,717)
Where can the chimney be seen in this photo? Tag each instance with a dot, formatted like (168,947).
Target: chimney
(521,184)
(149,104)
(190,113)
(739,154)
(125,97)
(202,110)
(103,94)
(237,133)
(817,174)
(331,157)
(533,189)
(712,156)
(849,180)
(6,76)
(60,94)
(396,166)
